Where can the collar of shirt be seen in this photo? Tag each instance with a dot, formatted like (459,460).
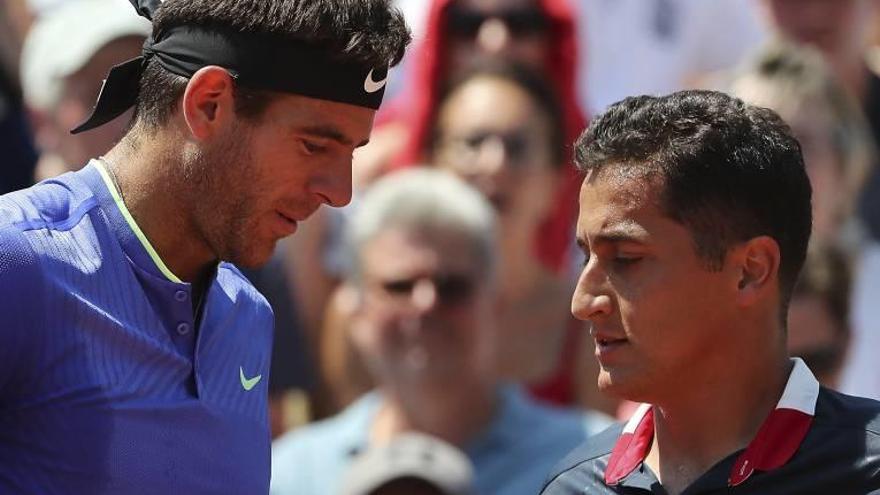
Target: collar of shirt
(134,242)
(171,297)
(776,442)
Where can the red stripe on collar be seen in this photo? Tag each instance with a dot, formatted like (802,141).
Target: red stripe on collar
(633,445)
(777,440)
(784,429)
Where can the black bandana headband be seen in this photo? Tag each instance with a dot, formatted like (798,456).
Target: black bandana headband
(254,61)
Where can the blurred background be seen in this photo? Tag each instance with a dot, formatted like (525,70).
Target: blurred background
(493,92)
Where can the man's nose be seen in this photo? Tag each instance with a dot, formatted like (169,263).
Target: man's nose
(424,295)
(492,156)
(494,37)
(591,299)
(334,188)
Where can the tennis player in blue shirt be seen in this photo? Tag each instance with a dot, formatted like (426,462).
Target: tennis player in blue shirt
(133,355)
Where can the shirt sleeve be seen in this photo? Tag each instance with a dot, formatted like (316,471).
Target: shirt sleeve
(20,294)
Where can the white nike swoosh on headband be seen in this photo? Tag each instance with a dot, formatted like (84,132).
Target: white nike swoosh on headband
(371,86)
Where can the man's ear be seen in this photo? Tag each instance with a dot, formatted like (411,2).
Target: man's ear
(758,266)
(208,102)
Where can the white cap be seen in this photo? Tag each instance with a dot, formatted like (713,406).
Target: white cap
(64,39)
(410,455)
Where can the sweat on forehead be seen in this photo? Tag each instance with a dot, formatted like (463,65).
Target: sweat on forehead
(640,179)
(731,171)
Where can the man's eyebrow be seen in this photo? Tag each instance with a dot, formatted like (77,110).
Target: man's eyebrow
(626,232)
(332,133)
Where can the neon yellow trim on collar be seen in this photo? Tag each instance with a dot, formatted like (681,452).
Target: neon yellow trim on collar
(133,225)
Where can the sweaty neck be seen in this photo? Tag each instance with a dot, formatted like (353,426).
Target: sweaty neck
(151,185)
(710,420)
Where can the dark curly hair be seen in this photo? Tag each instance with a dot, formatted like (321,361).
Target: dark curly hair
(730,171)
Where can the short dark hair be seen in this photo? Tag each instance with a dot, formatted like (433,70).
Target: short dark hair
(730,171)
(533,83)
(370,32)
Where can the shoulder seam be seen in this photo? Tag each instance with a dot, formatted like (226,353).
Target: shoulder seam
(63,225)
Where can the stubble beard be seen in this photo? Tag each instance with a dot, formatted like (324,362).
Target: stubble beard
(217,180)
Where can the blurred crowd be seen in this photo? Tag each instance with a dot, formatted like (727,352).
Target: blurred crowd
(424,342)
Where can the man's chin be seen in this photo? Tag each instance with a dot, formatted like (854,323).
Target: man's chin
(616,384)
(252,258)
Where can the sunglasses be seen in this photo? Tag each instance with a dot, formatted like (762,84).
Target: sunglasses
(465,23)
(450,288)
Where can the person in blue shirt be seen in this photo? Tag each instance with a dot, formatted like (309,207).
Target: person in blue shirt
(694,222)
(423,288)
(133,354)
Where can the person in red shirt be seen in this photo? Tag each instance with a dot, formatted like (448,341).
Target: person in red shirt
(536,33)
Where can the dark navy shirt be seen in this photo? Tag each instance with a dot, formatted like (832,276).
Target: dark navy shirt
(106,384)
(828,445)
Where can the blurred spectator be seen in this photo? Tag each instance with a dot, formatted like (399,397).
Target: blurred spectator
(16,146)
(500,127)
(539,33)
(841,30)
(633,47)
(65,58)
(410,464)
(839,152)
(424,289)
(835,138)
(818,316)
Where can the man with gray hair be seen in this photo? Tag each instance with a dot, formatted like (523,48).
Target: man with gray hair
(423,282)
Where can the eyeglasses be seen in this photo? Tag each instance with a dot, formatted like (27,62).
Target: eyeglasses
(521,22)
(450,288)
(517,146)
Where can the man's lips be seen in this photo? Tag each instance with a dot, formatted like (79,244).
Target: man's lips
(287,222)
(287,217)
(608,341)
(607,344)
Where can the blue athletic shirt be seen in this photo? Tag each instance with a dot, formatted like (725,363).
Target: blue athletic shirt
(106,386)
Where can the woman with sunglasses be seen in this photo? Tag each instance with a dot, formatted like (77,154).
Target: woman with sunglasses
(536,33)
(500,127)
